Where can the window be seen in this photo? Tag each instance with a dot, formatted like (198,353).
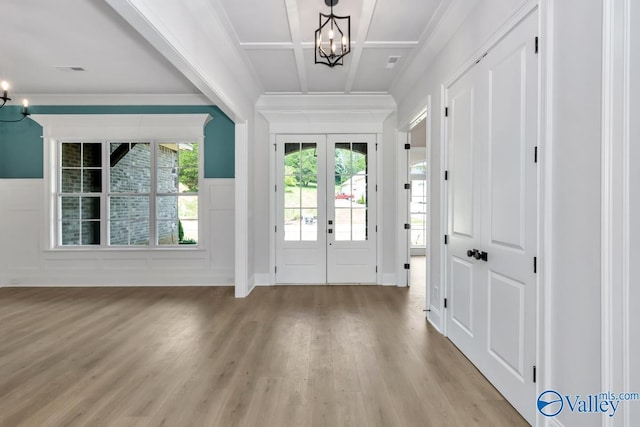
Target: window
(418,205)
(351,176)
(300,192)
(128,194)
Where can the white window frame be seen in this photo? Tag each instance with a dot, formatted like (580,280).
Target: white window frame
(108,128)
(105,194)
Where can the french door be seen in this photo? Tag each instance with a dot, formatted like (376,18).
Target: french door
(492,215)
(325,209)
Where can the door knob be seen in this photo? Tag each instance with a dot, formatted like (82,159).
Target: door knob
(475,253)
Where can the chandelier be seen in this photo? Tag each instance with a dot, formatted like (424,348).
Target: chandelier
(5,97)
(333,37)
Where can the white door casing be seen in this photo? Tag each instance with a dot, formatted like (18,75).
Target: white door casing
(492,134)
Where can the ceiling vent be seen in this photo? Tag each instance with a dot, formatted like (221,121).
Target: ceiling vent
(392,61)
(70,69)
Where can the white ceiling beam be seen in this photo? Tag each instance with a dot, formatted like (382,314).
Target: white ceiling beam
(296,39)
(368,7)
(192,36)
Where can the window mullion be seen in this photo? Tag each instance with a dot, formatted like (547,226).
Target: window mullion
(104,195)
(153,237)
(58,207)
(81,168)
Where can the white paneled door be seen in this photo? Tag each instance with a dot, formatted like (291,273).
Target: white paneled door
(325,208)
(492,214)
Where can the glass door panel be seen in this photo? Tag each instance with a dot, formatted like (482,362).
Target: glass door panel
(351,251)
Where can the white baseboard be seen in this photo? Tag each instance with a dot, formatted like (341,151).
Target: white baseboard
(117,285)
(101,278)
(434,317)
(263,279)
(389,279)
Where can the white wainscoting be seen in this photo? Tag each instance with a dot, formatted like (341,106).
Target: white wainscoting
(26,260)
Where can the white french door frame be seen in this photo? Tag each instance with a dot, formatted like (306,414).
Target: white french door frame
(273,207)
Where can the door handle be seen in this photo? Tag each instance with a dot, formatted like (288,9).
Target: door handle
(481,255)
(475,253)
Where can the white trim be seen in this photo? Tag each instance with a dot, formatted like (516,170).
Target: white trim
(607,200)
(241,211)
(102,127)
(322,114)
(545,202)
(262,279)
(251,284)
(402,240)
(444,209)
(615,201)
(428,223)
(273,209)
(505,29)
(626,207)
(202,279)
(122,126)
(365,19)
(379,210)
(435,319)
(229,83)
(106,194)
(115,99)
(291,10)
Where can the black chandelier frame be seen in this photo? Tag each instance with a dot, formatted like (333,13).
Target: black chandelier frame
(336,52)
(5,98)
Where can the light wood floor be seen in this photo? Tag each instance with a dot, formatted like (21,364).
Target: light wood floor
(304,356)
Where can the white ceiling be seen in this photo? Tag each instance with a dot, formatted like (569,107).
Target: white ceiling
(274,38)
(38,36)
(277,37)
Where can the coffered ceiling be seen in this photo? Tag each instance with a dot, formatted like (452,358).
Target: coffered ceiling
(277,38)
(257,46)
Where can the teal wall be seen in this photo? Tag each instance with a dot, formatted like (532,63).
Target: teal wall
(21,148)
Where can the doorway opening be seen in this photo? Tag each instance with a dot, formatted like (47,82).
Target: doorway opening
(417,205)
